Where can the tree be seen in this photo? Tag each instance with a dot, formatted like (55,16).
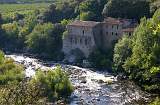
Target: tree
(86,16)
(59,11)
(55,83)
(23,94)
(42,88)
(140,58)
(17,16)
(87,8)
(9,71)
(51,14)
(1,21)
(46,39)
(132,9)
(122,51)
(100,59)
(11,35)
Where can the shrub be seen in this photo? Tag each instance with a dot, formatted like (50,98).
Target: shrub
(55,82)
(9,71)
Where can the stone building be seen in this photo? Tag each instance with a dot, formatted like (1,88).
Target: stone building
(88,35)
(82,35)
(114,28)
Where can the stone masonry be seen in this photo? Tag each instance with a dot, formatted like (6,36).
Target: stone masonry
(88,35)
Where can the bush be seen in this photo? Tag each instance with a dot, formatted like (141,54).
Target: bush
(55,82)
(45,87)
(24,93)
(9,71)
(100,59)
(155,102)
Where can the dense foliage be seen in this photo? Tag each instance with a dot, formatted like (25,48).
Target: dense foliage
(43,88)
(38,29)
(155,102)
(8,10)
(139,56)
(89,12)
(46,39)
(55,82)
(132,9)
(100,59)
(25,1)
(9,71)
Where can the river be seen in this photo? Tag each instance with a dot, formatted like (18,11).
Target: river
(91,87)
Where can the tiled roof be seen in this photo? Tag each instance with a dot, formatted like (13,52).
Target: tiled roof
(84,23)
(111,20)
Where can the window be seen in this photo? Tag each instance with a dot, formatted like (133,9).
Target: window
(80,40)
(85,41)
(83,32)
(70,30)
(75,40)
(106,33)
(116,34)
(112,33)
(117,27)
(71,40)
(112,26)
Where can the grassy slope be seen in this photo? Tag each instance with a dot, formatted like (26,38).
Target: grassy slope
(27,1)
(9,9)
(5,8)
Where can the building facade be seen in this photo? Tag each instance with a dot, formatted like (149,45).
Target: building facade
(88,35)
(81,35)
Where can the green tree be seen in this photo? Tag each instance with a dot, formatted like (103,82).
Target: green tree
(46,39)
(17,16)
(9,71)
(59,11)
(132,9)
(100,59)
(11,35)
(92,9)
(141,61)
(44,87)
(55,82)
(86,16)
(1,21)
(122,51)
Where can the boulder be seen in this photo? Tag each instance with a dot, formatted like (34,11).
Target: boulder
(100,81)
(84,81)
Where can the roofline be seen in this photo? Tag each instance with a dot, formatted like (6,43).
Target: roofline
(95,24)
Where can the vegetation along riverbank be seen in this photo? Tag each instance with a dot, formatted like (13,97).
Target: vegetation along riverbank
(122,36)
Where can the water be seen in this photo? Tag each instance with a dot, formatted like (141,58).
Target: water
(91,87)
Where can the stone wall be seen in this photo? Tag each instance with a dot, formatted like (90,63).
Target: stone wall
(87,35)
(111,32)
(79,37)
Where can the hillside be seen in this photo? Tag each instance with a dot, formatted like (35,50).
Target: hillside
(24,1)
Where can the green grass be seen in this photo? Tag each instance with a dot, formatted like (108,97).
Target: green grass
(6,9)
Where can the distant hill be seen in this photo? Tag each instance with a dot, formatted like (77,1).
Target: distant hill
(25,1)
(7,1)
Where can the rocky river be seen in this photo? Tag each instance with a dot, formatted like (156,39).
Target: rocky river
(91,87)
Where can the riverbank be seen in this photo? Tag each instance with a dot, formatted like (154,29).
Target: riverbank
(91,87)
